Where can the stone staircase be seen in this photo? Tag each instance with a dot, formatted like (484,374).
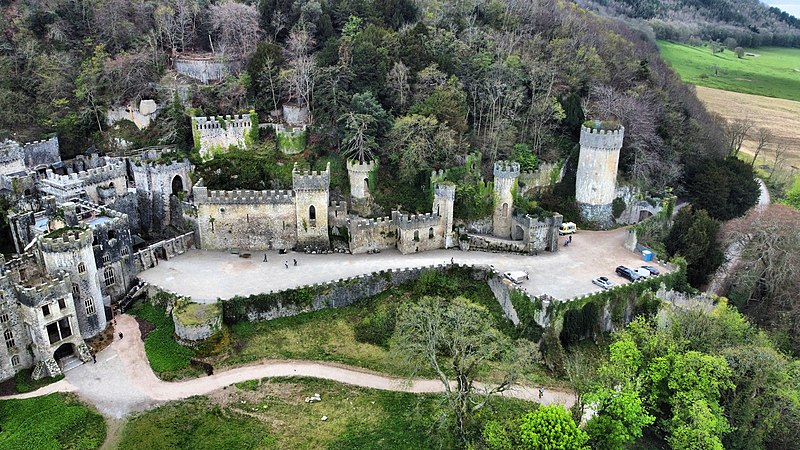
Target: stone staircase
(68,363)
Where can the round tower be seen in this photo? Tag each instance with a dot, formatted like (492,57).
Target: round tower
(444,196)
(505,178)
(70,250)
(360,197)
(596,180)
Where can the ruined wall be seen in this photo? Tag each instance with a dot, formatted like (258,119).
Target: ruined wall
(165,250)
(505,176)
(41,153)
(154,185)
(140,115)
(596,180)
(547,175)
(444,196)
(71,251)
(195,322)
(367,235)
(11,158)
(295,115)
(215,134)
(204,69)
(254,220)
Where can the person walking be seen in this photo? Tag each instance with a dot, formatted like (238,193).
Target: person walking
(120,335)
(452,261)
(570,239)
(541,392)
(94,358)
(295,262)
(286,263)
(265,257)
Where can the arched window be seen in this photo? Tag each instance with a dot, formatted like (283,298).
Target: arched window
(76,290)
(430,233)
(15,360)
(124,251)
(505,209)
(366,184)
(312,213)
(89,305)
(81,268)
(9,336)
(416,235)
(106,259)
(112,234)
(108,276)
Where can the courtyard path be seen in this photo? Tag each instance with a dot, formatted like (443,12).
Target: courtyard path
(122,382)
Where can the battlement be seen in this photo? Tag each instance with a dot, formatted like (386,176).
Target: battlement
(364,224)
(41,142)
(113,168)
(244,197)
(446,190)
(358,166)
(438,175)
(412,221)
(506,169)
(601,138)
(311,180)
(66,240)
(223,122)
(10,151)
(338,206)
(53,287)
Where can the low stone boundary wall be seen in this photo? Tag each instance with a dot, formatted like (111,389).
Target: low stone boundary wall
(334,294)
(487,244)
(166,249)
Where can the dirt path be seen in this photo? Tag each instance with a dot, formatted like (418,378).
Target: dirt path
(122,381)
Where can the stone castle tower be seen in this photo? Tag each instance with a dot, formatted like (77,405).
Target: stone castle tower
(360,196)
(444,196)
(311,190)
(72,252)
(596,181)
(505,177)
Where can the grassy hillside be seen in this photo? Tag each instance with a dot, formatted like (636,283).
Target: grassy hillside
(775,72)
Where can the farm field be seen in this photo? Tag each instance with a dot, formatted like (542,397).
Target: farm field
(774,72)
(779,115)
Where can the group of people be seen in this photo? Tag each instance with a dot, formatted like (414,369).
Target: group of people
(285,263)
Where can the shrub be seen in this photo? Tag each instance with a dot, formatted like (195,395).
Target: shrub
(377,328)
(167,358)
(617,207)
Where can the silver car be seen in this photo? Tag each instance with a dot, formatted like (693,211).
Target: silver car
(603,282)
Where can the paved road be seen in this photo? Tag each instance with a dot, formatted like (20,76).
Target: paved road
(122,382)
(206,276)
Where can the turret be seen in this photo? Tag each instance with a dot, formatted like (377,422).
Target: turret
(311,190)
(70,250)
(596,180)
(444,196)
(505,178)
(359,173)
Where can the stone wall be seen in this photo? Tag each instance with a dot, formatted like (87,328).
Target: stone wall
(203,68)
(11,158)
(154,185)
(547,175)
(418,232)
(14,323)
(41,153)
(195,322)
(492,244)
(311,190)
(215,134)
(112,173)
(140,115)
(295,115)
(253,220)
(167,249)
(360,196)
(334,294)
(368,235)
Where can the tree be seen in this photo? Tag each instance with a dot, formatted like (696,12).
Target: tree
(736,132)
(300,76)
(726,189)
(762,141)
(175,22)
(551,427)
(417,143)
(456,340)
(739,52)
(694,236)
(448,103)
(90,84)
(398,85)
(358,141)
(264,69)
(621,418)
(237,28)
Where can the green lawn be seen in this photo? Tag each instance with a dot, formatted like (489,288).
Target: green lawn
(168,358)
(273,414)
(774,73)
(55,421)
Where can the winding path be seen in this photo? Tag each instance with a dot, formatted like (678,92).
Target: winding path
(122,382)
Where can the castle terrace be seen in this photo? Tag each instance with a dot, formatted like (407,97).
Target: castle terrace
(208,275)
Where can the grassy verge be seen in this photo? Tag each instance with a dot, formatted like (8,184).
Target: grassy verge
(26,384)
(168,359)
(273,414)
(775,72)
(55,421)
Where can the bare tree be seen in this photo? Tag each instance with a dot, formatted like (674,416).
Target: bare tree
(175,22)
(736,132)
(762,141)
(780,158)
(237,28)
(398,84)
(300,76)
(358,143)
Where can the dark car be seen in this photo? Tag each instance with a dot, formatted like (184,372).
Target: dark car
(627,273)
(651,269)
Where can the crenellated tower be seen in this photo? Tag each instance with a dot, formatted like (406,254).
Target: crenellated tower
(596,180)
(444,197)
(70,250)
(359,174)
(311,189)
(505,178)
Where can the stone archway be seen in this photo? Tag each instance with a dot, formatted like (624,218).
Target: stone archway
(644,214)
(177,184)
(517,233)
(65,351)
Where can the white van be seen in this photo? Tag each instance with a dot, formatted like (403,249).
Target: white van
(567,228)
(517,276)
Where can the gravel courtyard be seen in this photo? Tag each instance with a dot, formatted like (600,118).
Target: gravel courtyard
(206,276)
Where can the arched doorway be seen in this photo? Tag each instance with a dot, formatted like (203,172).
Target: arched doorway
(177,184)
(517,233)
(64,351)
(644,214)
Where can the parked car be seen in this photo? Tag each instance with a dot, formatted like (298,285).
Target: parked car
(642,272)
(567,228)
(652,270)
(516,276)
(627,273)
(603,282)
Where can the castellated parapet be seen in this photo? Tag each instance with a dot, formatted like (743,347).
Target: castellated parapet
(311,180)
(216,134)
(11,158)
(596,179)
(51,289)
(368,235)
(112,173)
(244,197)
(505,178)
(444,196)
(359,173)
(312,197)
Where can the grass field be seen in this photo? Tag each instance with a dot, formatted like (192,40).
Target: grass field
(52,422)
(775,72)
(273,414)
